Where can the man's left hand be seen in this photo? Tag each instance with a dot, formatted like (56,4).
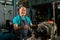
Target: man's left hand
(26,27)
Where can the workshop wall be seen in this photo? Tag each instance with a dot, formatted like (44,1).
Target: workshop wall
(9,13)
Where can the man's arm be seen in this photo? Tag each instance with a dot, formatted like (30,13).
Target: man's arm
(30,22)
(32,25)
(15,26)
(15,23)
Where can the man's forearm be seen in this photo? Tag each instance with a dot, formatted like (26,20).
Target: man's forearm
(33,25)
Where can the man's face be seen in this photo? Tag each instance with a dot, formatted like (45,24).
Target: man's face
(22,11)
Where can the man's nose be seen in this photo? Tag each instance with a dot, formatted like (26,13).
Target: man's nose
(22,13)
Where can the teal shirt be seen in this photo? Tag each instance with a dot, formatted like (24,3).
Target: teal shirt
(16,20)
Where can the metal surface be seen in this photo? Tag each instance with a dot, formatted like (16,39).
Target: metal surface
(5,12)
(53,4)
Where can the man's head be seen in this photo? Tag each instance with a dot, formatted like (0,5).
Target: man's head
(22,11)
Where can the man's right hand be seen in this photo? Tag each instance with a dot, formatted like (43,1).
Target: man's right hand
(15,27)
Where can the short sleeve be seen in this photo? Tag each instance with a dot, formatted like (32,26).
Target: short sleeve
(14,21)
(29,21)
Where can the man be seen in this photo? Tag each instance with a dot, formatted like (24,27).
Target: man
(21,23)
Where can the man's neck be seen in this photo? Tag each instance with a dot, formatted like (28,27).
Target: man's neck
(22,16)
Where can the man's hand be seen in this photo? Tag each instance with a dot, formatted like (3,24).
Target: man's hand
(15,26)
(26,27)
